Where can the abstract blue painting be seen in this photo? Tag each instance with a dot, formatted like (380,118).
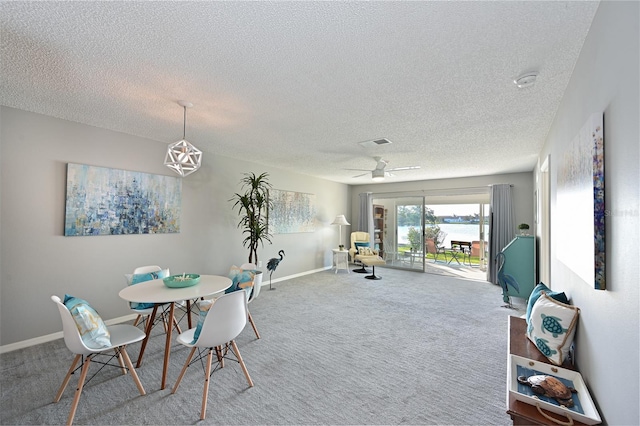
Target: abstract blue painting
(104,201)
(292,212)
(580,204)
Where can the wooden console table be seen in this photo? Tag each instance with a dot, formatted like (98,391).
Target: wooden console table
(522,413)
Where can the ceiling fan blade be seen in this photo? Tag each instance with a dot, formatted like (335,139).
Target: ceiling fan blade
(396,169)
(364,174)
(359,170)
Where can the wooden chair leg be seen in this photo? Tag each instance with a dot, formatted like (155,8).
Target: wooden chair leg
(65,382)
(76,397)
(120,360)
(165,320)
(184,369)
(244,367)
(205,392)
(137,321)
(254,326)
(175,324)
(220,356)
(134,375)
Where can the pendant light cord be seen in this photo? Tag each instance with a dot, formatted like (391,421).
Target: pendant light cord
(184,124)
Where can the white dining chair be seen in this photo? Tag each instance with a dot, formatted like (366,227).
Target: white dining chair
(226,318)
(145,313)
(121,335)
(257,283)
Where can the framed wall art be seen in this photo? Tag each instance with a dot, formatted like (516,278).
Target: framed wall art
(292,212)
(580,204)
(105,201)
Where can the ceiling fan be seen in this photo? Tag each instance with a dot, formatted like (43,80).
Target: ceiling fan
(380,172)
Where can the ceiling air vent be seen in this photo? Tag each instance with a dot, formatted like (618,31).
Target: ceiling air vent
(376,142)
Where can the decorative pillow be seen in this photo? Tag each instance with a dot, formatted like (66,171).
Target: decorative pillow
(204,306)
(362,244)
(93,330)
(552,326)
(365,251)
(241,280)
(535,294)
(133,279)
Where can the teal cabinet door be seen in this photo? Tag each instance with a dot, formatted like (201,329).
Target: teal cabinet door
(519,262)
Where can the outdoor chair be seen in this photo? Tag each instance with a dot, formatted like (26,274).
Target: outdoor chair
(434,250)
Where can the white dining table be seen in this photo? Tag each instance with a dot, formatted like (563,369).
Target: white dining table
(154,291)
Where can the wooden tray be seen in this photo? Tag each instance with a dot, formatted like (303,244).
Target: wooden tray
(583,410)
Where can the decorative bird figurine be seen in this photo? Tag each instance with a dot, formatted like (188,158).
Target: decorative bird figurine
(504,280)
(273,264)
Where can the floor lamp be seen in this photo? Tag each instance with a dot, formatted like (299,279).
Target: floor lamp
(340,220)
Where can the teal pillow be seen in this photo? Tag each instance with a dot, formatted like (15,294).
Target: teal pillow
(358,245)
(535,294)
(140,278)
(93,330)
(241,279)
(204,306)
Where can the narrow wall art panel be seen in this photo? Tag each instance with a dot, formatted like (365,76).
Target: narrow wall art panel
(580,204)
(104,201)
(292,212)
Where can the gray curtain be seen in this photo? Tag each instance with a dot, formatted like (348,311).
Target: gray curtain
(365,222)
(501,225)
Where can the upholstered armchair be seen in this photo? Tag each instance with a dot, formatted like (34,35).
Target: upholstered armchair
(359,237)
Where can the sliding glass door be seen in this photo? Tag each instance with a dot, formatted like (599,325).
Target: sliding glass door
(414,232)
(399,229)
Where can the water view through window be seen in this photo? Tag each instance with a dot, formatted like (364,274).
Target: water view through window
(460,222)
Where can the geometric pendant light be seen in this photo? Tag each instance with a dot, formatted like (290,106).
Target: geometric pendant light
(182,157)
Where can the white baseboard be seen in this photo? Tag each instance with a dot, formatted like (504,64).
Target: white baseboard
(54,336)
(50,337)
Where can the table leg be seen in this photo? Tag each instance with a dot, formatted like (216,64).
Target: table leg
(167,347)
(147,331)
(189,313)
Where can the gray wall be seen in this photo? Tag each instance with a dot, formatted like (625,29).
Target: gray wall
(37,260)
(605,79)
(460,188)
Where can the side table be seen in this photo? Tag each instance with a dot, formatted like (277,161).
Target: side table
(340,260)
(518,344)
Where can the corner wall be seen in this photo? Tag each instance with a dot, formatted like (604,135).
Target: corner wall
(605,79)
(37,260)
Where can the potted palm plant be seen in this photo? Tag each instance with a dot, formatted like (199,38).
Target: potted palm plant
(253,206)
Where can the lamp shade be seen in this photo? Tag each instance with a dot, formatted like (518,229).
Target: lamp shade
(340,220)
(183,158)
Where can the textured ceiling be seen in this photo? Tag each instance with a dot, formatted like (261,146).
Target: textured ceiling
(297,85)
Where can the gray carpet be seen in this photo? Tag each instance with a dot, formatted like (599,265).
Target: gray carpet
(411,348)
